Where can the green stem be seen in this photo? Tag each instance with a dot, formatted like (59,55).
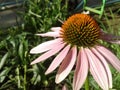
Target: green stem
(18,77)
(87,84)
(25,80)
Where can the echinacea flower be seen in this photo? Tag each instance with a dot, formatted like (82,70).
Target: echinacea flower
(77,43)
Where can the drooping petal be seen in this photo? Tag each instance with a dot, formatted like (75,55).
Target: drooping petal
(111,58)
(59,58)
(49,53)
(102,59)
(46,46)
(66,65)
(56,29)
(110,37)
(115,41)
(81,70)
(97,70)
(49,34)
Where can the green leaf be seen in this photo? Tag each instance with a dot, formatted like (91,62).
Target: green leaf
(3,74)
(2,61)
(21,51)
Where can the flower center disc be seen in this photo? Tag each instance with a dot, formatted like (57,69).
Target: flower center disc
(80,30)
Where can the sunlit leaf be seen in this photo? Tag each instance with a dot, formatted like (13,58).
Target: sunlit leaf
(20,51)
(3,60)
(3,74)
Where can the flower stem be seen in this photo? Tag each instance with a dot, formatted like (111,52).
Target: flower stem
(87,84)
(25,81)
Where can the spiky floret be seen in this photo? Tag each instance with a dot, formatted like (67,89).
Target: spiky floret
(80,30)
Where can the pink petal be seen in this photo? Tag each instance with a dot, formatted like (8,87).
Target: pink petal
(115,41)
(102,59)
(111,58)
(81,70)
(56,29)
(59,58)
(64,87)
(97,70)
(110,37)
(45,46)
(48,54)
(66,65)
(49,34)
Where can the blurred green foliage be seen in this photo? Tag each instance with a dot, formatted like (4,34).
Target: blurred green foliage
(16,73)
